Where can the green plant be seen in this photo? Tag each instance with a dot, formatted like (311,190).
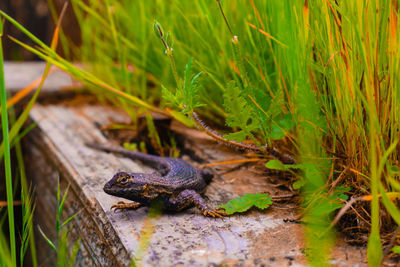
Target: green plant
(9,251)
(11,138)
(396,249)
(245,202)
(319,75)
(64,258)
(6,153)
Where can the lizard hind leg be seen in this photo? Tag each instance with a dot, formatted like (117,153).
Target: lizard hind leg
(121,205)
(188,198)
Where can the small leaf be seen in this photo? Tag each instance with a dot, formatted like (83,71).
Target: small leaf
(130,146)
(169,96)
(299,184)
(185,98)
(394,168)
(340,190)
(244,203)
(276,165)
(237,136)
(396,249)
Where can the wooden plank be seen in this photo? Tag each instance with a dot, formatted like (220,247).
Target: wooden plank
(20,74)
(257,238)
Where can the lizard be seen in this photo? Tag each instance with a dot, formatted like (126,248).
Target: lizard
(176,184)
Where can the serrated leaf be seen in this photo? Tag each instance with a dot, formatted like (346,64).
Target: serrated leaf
(185,98)
(244,203)
(236,106)
(263,202)
(169,97)
(237,136)
(240,113)
(280,127)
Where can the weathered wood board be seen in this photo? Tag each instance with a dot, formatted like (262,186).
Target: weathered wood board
(187,238)
(54,150)
(20,74)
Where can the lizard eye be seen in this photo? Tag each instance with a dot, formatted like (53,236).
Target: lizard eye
(123,180)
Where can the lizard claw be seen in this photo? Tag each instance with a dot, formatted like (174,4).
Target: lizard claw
(216,213)
(121,205)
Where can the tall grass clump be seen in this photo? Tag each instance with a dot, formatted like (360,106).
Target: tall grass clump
(321,74)
(15,245)
(317,78)
(11,137)
(356,47)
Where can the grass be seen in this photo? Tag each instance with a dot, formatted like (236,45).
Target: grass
(9,245)
(7,157)
(318,77)
(320,74)
(61,244)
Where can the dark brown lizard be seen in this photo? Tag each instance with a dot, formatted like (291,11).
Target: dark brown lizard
(176,183)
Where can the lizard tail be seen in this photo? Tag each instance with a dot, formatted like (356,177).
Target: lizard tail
(145,158)
(103,147)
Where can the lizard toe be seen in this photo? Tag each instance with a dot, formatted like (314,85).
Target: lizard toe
(121,205)
(214,213)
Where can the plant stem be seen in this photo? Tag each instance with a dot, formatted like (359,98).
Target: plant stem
(171,57)
(223,14)
(7,160)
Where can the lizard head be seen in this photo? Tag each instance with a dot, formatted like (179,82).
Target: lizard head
(132,186)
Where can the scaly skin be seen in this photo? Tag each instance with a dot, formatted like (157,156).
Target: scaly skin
(177,184)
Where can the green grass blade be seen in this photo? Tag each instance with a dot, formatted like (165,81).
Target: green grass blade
(47,239)
(29,207)
(26,32)
(7,157)
(74,252)
(24,132)
(62,250)
(24,115)
(69,219)
(5,258)
(60,205)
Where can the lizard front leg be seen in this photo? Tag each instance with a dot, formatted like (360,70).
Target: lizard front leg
(187,198)
(122,205)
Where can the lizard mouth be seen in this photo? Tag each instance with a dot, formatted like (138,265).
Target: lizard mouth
(107,188)
(111,189)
